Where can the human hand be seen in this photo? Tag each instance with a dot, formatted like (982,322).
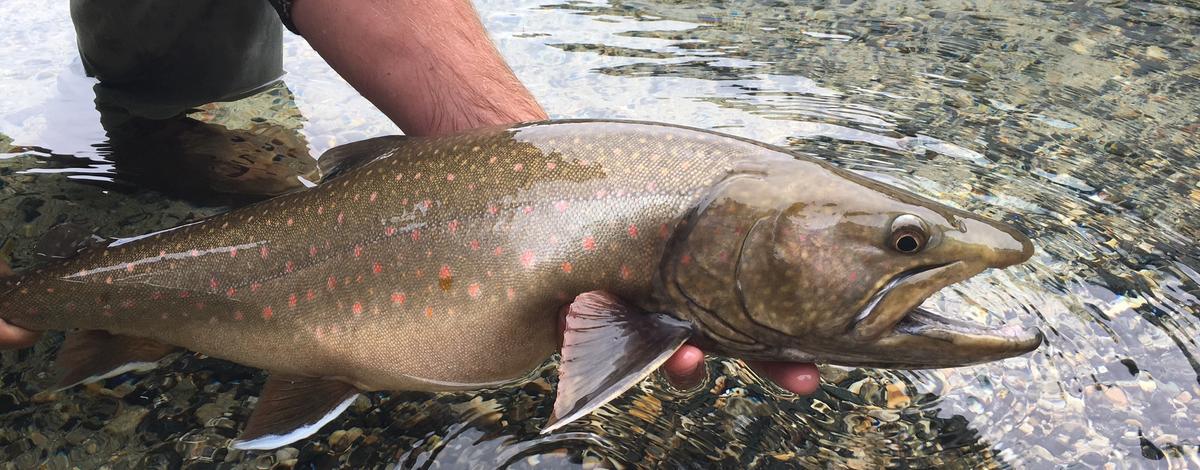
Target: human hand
(15,337)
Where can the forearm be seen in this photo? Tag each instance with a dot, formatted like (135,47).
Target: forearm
(427,64)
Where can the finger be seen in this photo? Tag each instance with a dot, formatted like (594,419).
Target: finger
(801,378)
(13,337)
(685,369)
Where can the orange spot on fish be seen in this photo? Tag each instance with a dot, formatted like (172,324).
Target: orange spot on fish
(492,209)
(474,245)
(633,231)
(331,283)
(498,251)
(527,258)
(429,312)
(566,267)
(561,206)
(417,176)
(266,313)
(289,266)
(473,290)
(389,231)
(686,259)
(357,251)
(589,243)
(238,315)
(263,251)
(310,296)
(357,308)
(254,286)
(398,298)
(453,226)
(625,272)
(292,300)
(416,235)
(377,268)
(664,231)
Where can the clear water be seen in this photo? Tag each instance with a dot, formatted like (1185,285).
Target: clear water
(1077,122)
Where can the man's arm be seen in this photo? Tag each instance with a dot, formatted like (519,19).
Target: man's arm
(427,64)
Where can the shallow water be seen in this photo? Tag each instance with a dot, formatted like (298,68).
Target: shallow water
(1075,122)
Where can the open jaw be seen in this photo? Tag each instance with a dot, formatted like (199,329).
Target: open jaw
(894,317)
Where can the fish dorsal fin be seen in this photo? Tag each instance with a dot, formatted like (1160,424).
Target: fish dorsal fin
(338,160)
(608,347)
(92,355)
(65,240)
(291,408)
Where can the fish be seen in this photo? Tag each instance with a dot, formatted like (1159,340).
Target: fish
(442,264)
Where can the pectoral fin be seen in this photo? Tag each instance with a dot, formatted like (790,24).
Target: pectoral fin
(608,347)
(291,408)
(88,356)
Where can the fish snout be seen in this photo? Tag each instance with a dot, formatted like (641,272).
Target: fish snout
(995,244)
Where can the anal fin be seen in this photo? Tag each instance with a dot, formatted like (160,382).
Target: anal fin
(608,347)
(92,355)
(291,408)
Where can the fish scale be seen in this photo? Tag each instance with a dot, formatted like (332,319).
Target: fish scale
(364,275)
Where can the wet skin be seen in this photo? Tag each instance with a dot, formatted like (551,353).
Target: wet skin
(439,265)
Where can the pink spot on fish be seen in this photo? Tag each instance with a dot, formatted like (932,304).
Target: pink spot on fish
(664,231)
(195,253)
(853,276)
(625,272)
(267,313)
(254,287)
(389,231)
(510,293)
(492,209)
(589,243)
(129,268)
(449,176)
(312,250)
(519,167)
(551,165)
(374,195)
(561,206)
(377,268)
(357,309)
(320,210)
(399,176)
(290,222)
(498,251)
(686,259)
(212,283)
(184,294)
(474,245)
(357,251)
(289,266)
(398,298)
(492,160)
(341,217)
(527,259)
(238,315)
(263,251)
(444,272)
(416,235)
(633,231)
(566,267)
(233,252)
(292,300)
(331,283)
(473,290)
(527,209)
(453,226)
(417,176)
(310,296)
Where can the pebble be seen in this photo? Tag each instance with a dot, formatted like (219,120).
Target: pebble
(1156,53)
(127,421)
(1117,397)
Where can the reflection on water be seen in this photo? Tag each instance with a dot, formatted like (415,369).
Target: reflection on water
(1075,122)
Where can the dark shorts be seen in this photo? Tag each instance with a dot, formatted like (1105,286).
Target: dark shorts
(158,58)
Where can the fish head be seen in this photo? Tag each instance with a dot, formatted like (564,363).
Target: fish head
(801,261)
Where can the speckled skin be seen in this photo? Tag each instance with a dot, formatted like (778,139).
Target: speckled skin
(438,266)
(441,264)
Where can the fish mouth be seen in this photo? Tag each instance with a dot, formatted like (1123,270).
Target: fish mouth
(893,316)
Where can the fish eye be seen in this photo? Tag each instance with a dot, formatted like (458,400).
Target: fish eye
(908,234)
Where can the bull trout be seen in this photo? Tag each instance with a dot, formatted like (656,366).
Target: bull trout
(439,264)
